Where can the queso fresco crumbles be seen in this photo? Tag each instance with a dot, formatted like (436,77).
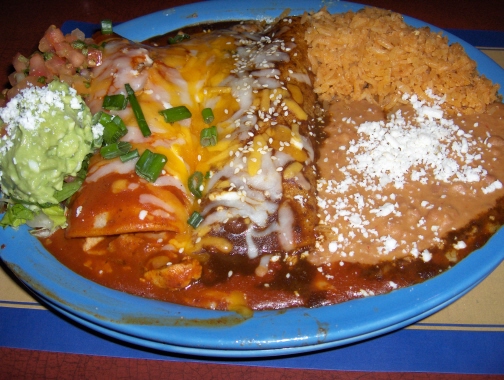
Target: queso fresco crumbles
(306,162)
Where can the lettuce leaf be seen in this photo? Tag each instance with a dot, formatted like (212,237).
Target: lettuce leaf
(57,215)
(16,215)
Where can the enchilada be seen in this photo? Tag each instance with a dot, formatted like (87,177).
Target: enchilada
(246,172)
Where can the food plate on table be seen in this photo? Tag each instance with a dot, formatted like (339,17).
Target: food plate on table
(188,330)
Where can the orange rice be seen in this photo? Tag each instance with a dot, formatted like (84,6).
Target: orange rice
(373,54)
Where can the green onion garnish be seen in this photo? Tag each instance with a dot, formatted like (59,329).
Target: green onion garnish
(150,165)
(132,154)
(171,115)
(113,126)
(178,38)
(208,136)
(195,219)
(208,115)
(115,150)
(137,111)
(115,102)
(194,183)
(78,44)
(106,27)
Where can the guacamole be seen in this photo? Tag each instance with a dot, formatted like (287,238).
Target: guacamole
(46,134)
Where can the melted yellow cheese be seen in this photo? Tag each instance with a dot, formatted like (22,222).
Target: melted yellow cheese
(238,79)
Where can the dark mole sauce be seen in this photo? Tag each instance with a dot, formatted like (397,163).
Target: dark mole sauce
(287,283)
(164,40)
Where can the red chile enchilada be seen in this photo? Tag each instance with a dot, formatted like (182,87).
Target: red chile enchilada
(258,205)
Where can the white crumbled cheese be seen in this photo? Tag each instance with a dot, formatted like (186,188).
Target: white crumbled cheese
(426,256)
(142,214)
(384,210)
(460,245)
(389,244)
(75,104)
(496,185)
(97,130)
(388,150)
(333,246)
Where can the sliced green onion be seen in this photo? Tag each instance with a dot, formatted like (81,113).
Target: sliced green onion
(114,102)
(194,183)
(137,111)
(106,27)
(171,115)
(178,38)
(132,154)
(208,115)
(195,219)
(42,80)
(208,136)
(79,44)
(113,126)
(115,150)
(150,165)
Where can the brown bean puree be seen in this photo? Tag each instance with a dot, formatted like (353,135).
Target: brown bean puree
(366,222)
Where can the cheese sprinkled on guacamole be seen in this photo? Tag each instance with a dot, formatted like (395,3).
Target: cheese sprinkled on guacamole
(47,132)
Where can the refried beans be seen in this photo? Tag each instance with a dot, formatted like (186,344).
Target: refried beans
(367,222)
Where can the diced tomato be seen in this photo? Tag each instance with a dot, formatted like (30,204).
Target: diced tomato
(76,58)
(20,63)
(54,64)
(62,48)
(67,69)
(37,66)
(45,46)
(54,35)
(63,62)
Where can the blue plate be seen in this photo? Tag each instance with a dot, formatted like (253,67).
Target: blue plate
(187,330)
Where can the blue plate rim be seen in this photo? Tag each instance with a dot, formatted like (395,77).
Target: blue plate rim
(225,334)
